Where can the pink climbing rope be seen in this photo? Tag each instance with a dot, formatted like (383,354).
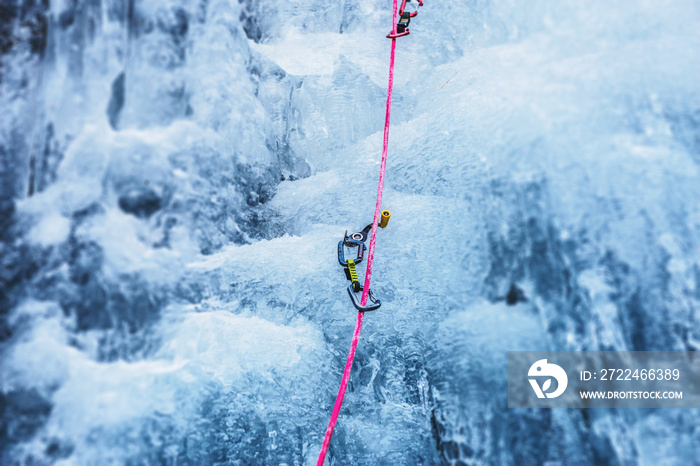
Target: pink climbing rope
(370,259)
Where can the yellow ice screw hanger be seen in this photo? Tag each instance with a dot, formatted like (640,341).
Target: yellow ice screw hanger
(384,221)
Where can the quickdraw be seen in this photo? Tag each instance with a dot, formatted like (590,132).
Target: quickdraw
(404,21)
(357,240)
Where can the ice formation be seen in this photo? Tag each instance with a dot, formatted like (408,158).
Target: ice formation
(175,177)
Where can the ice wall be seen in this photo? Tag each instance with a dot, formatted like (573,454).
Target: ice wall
(176,177)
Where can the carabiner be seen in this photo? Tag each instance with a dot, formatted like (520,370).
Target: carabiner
(372,307)
(404,20)
(350,243)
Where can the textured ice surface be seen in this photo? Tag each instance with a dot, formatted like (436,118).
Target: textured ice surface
(176,176)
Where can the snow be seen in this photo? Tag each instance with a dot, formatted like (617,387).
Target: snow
(50,230)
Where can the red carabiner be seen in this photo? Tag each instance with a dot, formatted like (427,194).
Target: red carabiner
(404,20)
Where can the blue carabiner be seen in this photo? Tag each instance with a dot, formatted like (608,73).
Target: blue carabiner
(372,307)
(350,242)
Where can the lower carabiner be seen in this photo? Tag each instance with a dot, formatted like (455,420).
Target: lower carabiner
(372,307)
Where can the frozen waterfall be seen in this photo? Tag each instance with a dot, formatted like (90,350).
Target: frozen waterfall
(175,177)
